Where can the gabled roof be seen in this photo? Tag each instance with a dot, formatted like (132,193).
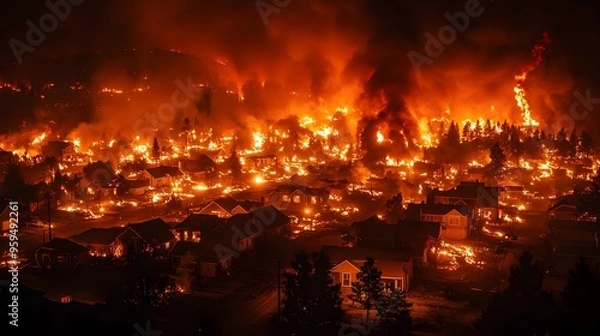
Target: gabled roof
(229,203)
(64,245)
(60,145)
(98,236)
(414,210)
(415,231)
(246,223)
(155,231)
(338,254)
(201,164)
(86,183)
(200,222)
(571,200)
(271,217)
(202,251)
(162,171)
(182,248)
(471,190)
(288,188)
(134,184)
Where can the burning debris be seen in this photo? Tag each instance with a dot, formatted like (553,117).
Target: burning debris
(452,256)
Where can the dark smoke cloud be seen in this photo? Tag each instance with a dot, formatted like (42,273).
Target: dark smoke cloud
(332,53)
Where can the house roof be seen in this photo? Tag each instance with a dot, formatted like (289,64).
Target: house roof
(418,229)
(414,210)
(200,222)
(64,245)
(571,225)
(203,251)
(271,217)
(304,189)
(182,248)
(162,171)
(246,223)
(338,254)
(229,203)
(373,220)
(134,184)
(98,236)
(404,230)
(57,145)
(471,190)
(155,231)
(417,233)
(201,164)
(572,200)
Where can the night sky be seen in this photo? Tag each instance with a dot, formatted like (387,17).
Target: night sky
(351,49)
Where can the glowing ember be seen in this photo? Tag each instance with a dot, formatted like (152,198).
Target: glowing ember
(200,187)
(39,139)
(380,137)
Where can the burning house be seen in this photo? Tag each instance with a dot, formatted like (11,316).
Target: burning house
(162,176)
(260,162)
(198,168)
(481,199)
(297,199)
(456,220)
(57,149)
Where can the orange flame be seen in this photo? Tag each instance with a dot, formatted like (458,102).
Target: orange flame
(537,52)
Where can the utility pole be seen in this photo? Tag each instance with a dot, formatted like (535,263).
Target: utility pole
(49,216)
(279,289)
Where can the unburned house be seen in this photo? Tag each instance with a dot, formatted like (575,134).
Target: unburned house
(61,254)
(413,237)
(296,198)
(150,236)
(456,221)
(481,199)
(196,226)
(228,206)
(137,187)
(198,168)
(161,176)
(102,242)
(396,266)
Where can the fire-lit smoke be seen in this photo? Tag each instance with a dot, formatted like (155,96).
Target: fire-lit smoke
(537,52)
(312,60)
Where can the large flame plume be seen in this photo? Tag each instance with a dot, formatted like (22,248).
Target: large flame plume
(538,56)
